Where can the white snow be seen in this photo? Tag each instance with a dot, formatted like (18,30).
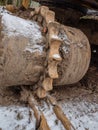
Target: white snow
(55,37)
(15,26)
(18,26)
(57,56)
(94,51)
(3,10)
(83,115)
(9,118)
(90,11)
(34,48)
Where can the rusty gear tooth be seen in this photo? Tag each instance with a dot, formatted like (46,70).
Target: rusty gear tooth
(48,84)
(54,50)
(52,69)
(32,13)
(54,41)
(43,11)
(41,93)
(37,10)
(49,17)
(39,19)
(53,30)
(52,100)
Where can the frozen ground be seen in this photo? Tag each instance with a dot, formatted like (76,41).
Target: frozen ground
(16,118)
(83,115)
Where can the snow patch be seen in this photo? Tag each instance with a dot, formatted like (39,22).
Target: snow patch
(3,10)
(91,11)
(15,26)
(57,56)
(83,115)
(16,118)
(56,37)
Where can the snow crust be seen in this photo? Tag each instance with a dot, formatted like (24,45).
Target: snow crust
(55,37)
(3,10)
(15,26)
(16,118)
(57,56)
(91,11)
(83,115)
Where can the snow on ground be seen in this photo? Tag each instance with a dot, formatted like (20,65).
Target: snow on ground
(91,11)
(83,115)
(2,10)
(16,118)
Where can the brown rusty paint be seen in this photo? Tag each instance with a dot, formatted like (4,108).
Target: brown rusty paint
(70,69)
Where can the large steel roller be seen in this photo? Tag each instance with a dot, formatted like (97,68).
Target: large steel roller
(23,53)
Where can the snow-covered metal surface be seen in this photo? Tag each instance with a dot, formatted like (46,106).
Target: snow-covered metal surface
(15,26)
(18,26)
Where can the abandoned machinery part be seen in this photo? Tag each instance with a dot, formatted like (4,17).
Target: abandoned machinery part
(65,54)
(63,57)
(52,55)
